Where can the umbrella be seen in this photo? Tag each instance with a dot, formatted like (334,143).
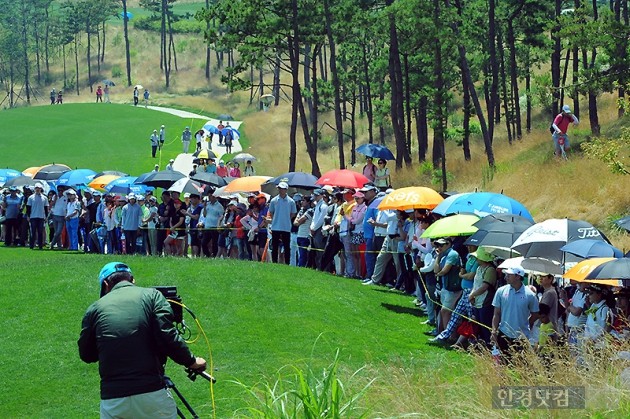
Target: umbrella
(20,181)
(128,16)
(108,83)
(51,171)
(6,174)
(163,178)
(546,238)
(78,177)
(142,177)
(495,219)
(125,185)
(211,128)
(185,185)
(243,157)
(344,178)
(534,265)
(111,172)
(624,223)
(299,182)
(482,204)
(376,151)
(138,86)
(246,184)
(204,154)
(225,130)
(99,182)
(225,117)
(454,225)
(31,171)
(589,248)
(608,271)
(209,179)
(418,197)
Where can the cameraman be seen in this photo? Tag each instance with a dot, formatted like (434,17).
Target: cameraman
(130,332)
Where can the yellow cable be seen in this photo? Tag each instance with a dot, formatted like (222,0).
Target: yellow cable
(211,367)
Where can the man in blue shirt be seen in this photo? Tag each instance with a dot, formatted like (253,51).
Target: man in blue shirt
(11,205)
(370,192)
(212,213)
(131,221)
(513,305)
(281,210)
(36,213)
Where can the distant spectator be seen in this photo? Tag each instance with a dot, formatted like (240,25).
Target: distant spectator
(59,97)
(146,97)
(99,94)
(599,318)
(53,96)
(131,222)
(228,139)
(136,95)
(282,210)
(199,139)
(73,210)
(106,93)
(382,178)
(162,136)
(220,127)
(222,169)
(369,170)
(169,166)
(249,169)
(155,142)
(560,126)
(235,171)
(186,137)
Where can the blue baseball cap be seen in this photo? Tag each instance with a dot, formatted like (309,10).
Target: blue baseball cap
(110,269)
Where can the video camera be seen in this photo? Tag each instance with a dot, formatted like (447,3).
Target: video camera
(170,293)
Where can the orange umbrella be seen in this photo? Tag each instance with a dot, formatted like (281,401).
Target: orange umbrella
(582,270)
(30,172)
(414,197)
(246,184)
(100,182)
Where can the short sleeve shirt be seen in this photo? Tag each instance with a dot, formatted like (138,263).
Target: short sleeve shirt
(281,210)
(516,306)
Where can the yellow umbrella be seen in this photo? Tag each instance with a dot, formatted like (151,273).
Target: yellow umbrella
(100,182)
(415,197)
(582,270)
(453,225)
(30,172)
(246,184)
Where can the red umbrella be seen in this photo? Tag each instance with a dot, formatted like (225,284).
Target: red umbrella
(343,178)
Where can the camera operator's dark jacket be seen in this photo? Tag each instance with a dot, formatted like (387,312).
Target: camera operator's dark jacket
(130,332)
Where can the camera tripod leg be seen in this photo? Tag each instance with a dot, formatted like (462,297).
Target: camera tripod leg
(170,384)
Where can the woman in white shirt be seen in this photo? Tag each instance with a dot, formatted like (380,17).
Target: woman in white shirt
(73,210)
(599,315)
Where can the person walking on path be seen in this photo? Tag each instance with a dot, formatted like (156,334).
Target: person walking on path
(155,142)
(220,127)
(130,332)
(146,97)
(186,137)
(136,94)
(560,126)
(53,96)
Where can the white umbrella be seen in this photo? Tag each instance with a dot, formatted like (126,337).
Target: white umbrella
(243,157)
(533,265)
(138,86)
(184,185)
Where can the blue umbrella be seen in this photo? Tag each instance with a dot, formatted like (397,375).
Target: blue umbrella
(482,204)
(6,174)
(142,177)
(225,130)
(125,185)
(624,223)
(78,177)
(376,151)
(211,128)
(589,248)
(129,15)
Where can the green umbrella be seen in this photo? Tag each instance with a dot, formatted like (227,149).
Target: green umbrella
(455,225)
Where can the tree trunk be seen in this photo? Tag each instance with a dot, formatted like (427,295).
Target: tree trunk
(98,50)
(65,73)
(126,31)
(438,100)
(466,122)
(163,9)
(276,78)
(514,78)
(24,30)
(171,41)
(76,62)
(555,60)
(397,96)
(37,51)
(103,40)
(336,85)
(207,44)
(528,90)
(422,128)
(46,38)
(89,54)
(368,94)
(504,92)
(492,57)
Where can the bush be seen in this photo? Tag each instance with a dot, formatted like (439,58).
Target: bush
(116,71)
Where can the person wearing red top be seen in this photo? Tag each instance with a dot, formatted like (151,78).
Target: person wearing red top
(99,94)
(222,169)
(560,126)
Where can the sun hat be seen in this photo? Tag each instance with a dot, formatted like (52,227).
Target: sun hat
(368,187)
(162,126)
(283,185)
(187,195)
(131,196)
(110,269)
(70,192)
(13,188)
(328,188)
(140,197)
(443,240)
(39,185)
(602,289)
(515,270)
(482,255)
(359,194)
(233,202)
(297,196)
(261,195)
(172,160)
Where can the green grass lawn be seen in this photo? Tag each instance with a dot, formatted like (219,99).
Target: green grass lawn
(258,317)
(94,136)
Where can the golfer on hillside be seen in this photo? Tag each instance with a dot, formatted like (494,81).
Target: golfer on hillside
(130,332)
(560,126)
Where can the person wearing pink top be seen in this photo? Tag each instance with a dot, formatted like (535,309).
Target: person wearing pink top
(235,171)
(357,238)
(560,126)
